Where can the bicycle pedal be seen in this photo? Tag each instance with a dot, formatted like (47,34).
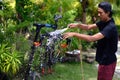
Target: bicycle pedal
(64,45)
(36,44)
(50,71)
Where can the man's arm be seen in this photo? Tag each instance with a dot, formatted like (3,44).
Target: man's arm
(83,26)
(89,38)
(87,27)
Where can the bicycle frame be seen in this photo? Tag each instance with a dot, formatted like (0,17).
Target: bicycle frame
(38,27)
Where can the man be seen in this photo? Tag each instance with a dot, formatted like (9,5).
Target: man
(107,38)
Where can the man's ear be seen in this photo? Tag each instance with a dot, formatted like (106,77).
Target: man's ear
(108,13)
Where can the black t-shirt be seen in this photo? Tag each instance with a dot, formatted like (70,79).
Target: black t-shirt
(107,47)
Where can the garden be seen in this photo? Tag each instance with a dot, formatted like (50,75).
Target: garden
(17,34)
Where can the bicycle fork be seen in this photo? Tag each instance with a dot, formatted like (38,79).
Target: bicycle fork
(30,63)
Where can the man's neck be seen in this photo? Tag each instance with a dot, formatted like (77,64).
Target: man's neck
(109,18)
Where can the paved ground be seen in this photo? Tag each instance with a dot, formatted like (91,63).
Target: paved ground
(117,71)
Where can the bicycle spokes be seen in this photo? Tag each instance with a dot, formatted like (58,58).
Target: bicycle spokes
(43,71)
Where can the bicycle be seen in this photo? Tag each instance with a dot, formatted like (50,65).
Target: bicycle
(51,54)
(30,74)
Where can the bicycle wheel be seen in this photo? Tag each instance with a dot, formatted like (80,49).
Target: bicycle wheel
(54,54)
(34,76)
(41,57)
(46,59)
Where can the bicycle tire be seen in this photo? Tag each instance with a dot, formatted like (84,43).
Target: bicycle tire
(3,76)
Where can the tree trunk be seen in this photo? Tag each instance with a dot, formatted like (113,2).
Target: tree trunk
(20,10)
(84,6)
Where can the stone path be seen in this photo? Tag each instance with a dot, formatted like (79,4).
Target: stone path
(117,71)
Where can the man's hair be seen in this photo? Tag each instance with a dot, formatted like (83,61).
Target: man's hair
(106,7)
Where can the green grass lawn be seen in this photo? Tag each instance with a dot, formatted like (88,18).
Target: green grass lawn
(73,71)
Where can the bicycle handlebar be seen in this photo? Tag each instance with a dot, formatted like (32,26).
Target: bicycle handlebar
(56,17)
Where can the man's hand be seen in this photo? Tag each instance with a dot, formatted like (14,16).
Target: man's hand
(68,35)
(73,25)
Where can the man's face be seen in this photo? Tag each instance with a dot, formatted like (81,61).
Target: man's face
(103,16)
